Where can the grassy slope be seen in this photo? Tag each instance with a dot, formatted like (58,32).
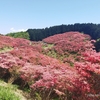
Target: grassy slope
(9,91)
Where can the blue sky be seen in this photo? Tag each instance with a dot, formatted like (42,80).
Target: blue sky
(20,15)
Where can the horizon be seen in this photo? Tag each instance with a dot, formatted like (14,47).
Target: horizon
(22,30)
(29,14)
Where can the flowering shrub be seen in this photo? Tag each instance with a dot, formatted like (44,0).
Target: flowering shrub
(89,68)
(12,42)
(5,41)
(70,35)
(51,79)
(70,42)
(10,66)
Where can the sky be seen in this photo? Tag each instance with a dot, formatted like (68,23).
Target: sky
(20,15)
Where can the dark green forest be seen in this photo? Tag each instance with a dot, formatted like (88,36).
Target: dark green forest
(38,34)
(88,28)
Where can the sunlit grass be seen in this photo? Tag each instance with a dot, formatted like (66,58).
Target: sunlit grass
(6,93)
(48,46)
(9,91)
(5,49)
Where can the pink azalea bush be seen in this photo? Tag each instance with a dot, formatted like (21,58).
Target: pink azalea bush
(12,42)
(70,42)
(50,79)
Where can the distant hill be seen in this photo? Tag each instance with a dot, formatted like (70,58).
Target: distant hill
(39,34)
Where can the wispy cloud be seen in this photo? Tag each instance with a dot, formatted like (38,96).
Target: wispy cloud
(18,30)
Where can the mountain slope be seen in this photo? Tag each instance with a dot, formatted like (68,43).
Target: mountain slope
(63,66)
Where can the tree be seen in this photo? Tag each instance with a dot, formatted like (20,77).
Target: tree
(24,35)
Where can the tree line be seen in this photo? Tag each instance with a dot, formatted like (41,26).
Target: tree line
(88,28)
(24,35)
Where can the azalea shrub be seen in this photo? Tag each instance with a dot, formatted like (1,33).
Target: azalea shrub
(72,42)
(10,66)
(51,81)
(12,42)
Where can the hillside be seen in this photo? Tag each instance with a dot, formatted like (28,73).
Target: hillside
(90,29)
(60,67)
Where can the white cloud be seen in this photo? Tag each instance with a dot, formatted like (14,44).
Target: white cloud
(12,30)
(19,30)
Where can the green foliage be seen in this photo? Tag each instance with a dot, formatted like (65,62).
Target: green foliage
(5,49)
(6,93)
(97,45)
(38,97)
(24,35)
(26,89)
(48,46)
(52,54)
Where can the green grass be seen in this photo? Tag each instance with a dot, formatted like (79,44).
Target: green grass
(10,92)
(6,93)
(5,49)
(48,46)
